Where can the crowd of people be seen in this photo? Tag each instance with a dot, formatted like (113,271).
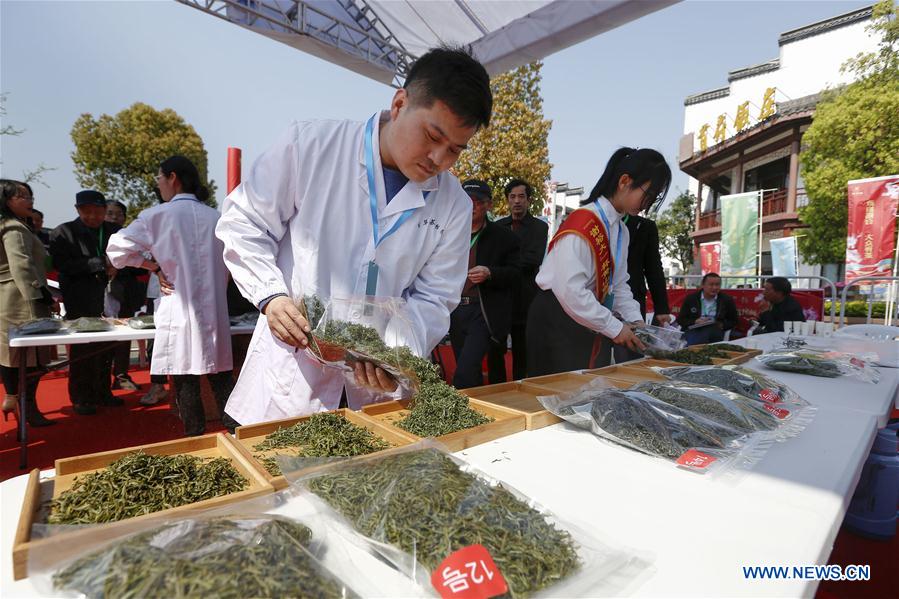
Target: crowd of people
(348,209)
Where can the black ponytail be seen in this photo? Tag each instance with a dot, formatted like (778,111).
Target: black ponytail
(641,165)
(187,174)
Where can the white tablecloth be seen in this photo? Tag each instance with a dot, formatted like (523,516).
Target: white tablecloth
(700,531)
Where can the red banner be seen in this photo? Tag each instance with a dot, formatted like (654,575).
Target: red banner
(870,241)
(710,257)
(750,303)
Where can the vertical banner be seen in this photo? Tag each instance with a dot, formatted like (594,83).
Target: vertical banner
(871,236)
(234,168)
(784,257)
(740,233)
(710,257)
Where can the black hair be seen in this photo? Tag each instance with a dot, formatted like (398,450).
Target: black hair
(780,284)
(710,275)
(35,211)
(187,174)
(454,77)
(8,190)
(642,165)
(121,205)
(528,190)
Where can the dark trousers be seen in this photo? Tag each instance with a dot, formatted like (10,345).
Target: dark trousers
(607,349)
(471,341)
(496,358)
(89,376)
(709,334)
(190,404)
(120,357)
(10,376)
(155,379)
(556,343)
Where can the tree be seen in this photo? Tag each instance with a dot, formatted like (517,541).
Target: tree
(120,155)
(515,143)
(35,175)
(854,135)
(675,225)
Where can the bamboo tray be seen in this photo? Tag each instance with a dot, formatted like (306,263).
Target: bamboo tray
(253,434)
(505,422)
(560,383)
(39,492)
(520,397)
(632,372)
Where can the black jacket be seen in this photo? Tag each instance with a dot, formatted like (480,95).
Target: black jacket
(532,238)
(772,320)
(644,264)
(497,249)
(80,258)
(691,311)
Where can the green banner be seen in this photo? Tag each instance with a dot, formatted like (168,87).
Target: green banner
(739,233)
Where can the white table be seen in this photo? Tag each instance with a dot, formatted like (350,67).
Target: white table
(877,400)
(700,531)
(118,333)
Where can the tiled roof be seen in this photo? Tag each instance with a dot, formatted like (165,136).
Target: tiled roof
(849,18)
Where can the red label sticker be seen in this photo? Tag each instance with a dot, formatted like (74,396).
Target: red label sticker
(693,458)
(857,362)
(469,573)
(778,412)
(769,395)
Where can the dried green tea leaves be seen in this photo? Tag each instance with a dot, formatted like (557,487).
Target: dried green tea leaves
(89,324)
(421,502)
(320,435)
(142,322)
(699,356)
(138,484)
(40,326)
(230,557)
(744,381)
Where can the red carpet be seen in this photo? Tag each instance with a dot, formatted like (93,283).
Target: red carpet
(133,424)
(111,428)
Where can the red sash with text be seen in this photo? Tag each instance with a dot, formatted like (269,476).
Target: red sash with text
(585,224)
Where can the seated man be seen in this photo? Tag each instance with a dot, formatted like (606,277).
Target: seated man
(782,307)
(708,313)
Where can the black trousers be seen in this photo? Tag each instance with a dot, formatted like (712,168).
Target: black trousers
(89,376)
(496,358)
(119,357)
(190,405)
(607,349)
(10,376)
(471,342)
(556,343)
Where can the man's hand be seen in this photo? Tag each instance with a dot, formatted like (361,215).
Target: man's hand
(369,375)
(627,338)
(286,322)
(110,269)
(165,286)
(663,319)
(478,274)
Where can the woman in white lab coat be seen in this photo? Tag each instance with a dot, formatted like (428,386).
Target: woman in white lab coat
(192,328)
(321,213)
(583,279)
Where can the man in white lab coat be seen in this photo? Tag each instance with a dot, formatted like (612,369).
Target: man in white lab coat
(342,209)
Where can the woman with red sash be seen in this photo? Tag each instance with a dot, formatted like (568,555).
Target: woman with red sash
(583,279)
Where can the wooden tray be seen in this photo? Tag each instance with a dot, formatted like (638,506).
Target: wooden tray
(520,397)
(253,434)
(37,493)
(505,422)
(630,372)
(560,383)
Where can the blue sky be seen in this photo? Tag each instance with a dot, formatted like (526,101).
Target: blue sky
(237,88)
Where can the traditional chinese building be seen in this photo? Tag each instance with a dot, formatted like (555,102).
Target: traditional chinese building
(747,135)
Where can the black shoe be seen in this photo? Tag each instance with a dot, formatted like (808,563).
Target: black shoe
(112,401)
(83,409)
(123,381)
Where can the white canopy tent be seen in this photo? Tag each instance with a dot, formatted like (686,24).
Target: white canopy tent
(381,38)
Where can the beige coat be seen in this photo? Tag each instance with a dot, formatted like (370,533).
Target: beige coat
(22,277)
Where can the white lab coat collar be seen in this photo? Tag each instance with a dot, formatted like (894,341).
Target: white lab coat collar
(184,196)
(410,196)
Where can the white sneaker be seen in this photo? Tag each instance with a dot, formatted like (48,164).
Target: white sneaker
(156,394)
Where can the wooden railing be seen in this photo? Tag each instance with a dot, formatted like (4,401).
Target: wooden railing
(707,220)
(774,202)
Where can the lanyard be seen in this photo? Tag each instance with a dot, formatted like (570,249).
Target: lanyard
(100,244)
(474,239)
(605,221)
(372,193)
